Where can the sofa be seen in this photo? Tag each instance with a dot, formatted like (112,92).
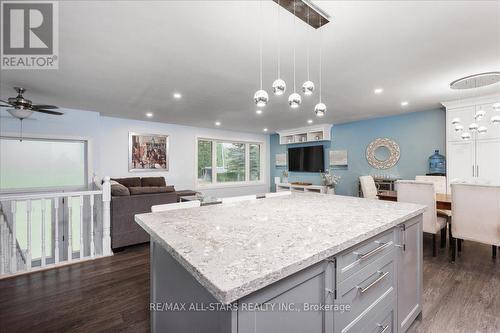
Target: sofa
(135,195)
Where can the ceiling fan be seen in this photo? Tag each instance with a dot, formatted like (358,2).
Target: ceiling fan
(22,108)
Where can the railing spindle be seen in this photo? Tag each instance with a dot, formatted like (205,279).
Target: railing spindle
(56,230)
(92,245)
(2,246)
(82,248)
(70,226)
(106,219)
(28,243)
(13,254)
(43,233)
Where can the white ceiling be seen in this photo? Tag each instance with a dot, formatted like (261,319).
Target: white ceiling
(127,58)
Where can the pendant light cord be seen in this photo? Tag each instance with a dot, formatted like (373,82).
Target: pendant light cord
(279,43)
(320,58)
(294,44)
(308,14)
(260,44)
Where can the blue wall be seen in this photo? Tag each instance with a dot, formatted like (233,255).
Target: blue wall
(418,134)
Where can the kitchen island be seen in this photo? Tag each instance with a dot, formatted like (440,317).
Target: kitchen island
(297,263)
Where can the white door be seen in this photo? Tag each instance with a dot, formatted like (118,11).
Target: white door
(464,115)
(488,161)
(461,166)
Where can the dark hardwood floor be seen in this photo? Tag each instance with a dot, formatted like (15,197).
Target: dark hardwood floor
(111,294)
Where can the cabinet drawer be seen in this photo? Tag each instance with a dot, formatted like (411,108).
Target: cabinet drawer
(374,319)
(366,288)
(383,323)
(354,259)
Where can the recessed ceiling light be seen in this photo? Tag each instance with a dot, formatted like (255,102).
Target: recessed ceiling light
(378,91)
(309,121)
(265,129)
(149,114)
(404,103)
(258,111)
(177,95)
(217,123)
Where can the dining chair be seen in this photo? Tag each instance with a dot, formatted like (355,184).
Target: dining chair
(368,187)
(440,187)
(277,194)
(438,181)
(239,198)
(174,206)
(423,193)
(476,215)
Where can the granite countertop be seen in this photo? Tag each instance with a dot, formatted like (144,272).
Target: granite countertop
(235,249)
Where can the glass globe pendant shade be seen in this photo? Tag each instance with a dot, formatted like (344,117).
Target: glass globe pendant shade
(261,98)
(496,106)
(495,120)
(320,110)
(466,135)
(473,127)
(308,88)
(459,128)
(480,114)
(455,121)
(279,87)
(482,130)
(294,100)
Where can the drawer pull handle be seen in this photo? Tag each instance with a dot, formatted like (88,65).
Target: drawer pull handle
(383,328)
(380,278)
(363,256)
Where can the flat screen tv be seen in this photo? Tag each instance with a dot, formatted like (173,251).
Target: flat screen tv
(306,159)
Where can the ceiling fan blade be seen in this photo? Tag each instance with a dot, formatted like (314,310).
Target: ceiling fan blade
(1,100)
(55,113)
(37,107)
(6,106)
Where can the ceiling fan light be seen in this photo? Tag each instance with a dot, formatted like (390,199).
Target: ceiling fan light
(20,113)
(308,88)
(261,98)
(294,100)
(320,110)
(279,87)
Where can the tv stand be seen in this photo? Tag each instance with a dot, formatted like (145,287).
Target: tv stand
(303,188)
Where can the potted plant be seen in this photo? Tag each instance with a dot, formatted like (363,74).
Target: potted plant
(284,174)
(329,180)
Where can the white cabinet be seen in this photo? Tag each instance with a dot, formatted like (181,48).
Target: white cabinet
(477,159)
(488,160)
(461,161)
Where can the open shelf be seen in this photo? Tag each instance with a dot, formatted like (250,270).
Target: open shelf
(306,134)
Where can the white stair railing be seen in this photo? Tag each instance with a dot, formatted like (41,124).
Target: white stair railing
(69,213)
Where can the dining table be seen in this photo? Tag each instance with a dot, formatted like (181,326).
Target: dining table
(443,200)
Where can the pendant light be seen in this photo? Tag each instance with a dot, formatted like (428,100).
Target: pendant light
(261,97)
(279,85)
(294,99)
(308,86)
(320,108)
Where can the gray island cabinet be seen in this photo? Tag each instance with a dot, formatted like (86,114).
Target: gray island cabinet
(298,263)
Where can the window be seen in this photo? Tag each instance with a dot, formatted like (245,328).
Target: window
(227,162)
(42,163)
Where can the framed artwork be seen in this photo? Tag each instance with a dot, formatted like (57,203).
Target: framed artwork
(338,157)
(147,152)
(280,159)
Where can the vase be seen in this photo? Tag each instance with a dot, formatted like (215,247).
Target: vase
(330,190)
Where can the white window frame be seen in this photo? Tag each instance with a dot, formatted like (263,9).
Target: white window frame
(247,181)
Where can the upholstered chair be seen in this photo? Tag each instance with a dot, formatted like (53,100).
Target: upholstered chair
(423,193)
(368,187)
(476,215)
